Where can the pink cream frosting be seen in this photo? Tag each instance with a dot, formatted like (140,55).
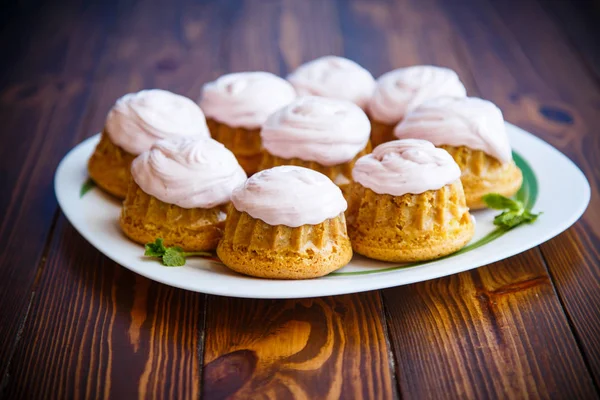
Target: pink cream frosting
(406,166)
(327,131)
(138,120)
(290,196)
(334,77)
(471,122)
(190,173)
(245,99)
(400,91)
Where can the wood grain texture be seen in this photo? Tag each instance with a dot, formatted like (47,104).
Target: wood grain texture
(422,33)
(96,330)
(327,348)
(146,47)
(43,95)
(92,329)
(496,332)
(535,87)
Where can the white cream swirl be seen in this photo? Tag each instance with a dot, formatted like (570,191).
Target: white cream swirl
(138,120)
(406,166)
(290,196)
(400,91)
(245,99)
(327,131)
(190,173)
(334,77)
(471,122)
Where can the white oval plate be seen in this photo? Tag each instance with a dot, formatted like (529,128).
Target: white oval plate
(552,184)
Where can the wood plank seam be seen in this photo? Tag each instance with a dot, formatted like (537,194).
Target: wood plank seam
(4,374)
(390,346)
(574,331)
(202,343)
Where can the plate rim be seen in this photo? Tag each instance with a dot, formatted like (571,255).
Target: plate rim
(575,214)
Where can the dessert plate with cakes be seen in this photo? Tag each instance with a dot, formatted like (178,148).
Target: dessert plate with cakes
(336,183)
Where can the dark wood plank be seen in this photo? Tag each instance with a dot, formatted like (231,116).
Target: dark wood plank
(542,85)
(578,19)
(497,332)
(96,330)
(149,46)
(43,96)
(418,32)
(332,347)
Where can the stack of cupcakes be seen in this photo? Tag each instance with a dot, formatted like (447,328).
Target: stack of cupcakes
(306,142)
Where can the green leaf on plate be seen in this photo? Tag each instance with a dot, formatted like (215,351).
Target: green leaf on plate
(86,187)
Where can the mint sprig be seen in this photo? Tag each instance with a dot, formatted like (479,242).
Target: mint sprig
(514,213)
(173,256)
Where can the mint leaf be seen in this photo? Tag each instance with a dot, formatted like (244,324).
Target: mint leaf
(174,257)
(86,187)
(510,219)
(156,249)
(499,202)
(170,256)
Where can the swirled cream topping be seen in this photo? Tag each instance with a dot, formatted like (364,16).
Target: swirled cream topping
(290,196)
(138,120)
(327,131)
(190,173)
(245,99)
(406,166)
(334,77)
(400,91)
(471,122)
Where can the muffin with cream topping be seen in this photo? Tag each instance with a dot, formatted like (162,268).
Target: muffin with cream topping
(179,192)
(400,91)
(319,133)
(407,203)
(472,130)
(334,77)
(236,105)
(286,223)
(133,125)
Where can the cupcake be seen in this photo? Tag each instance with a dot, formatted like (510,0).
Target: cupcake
(407,203)
(179,192)
(286,223)
(472,130)
(326,135)
(236,106)
(334,77)
(133,125)
(400,91)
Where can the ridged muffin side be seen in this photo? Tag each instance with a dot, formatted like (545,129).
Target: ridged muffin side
(483,174)
(109,167)
(244,143)
(253,247)
(145,218)
(340,174)
(411,227)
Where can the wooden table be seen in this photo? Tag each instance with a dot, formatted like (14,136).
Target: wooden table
(74,324)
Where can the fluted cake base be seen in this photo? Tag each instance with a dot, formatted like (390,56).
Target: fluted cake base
(253,247)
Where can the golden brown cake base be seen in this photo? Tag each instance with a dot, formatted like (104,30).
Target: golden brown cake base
(253,247)
(144,218)
(411,227)
(245,144)
(483,174)
(341,174)
(381,133)
(109,167)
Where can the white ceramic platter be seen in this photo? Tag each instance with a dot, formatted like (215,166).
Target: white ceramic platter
(552,184)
